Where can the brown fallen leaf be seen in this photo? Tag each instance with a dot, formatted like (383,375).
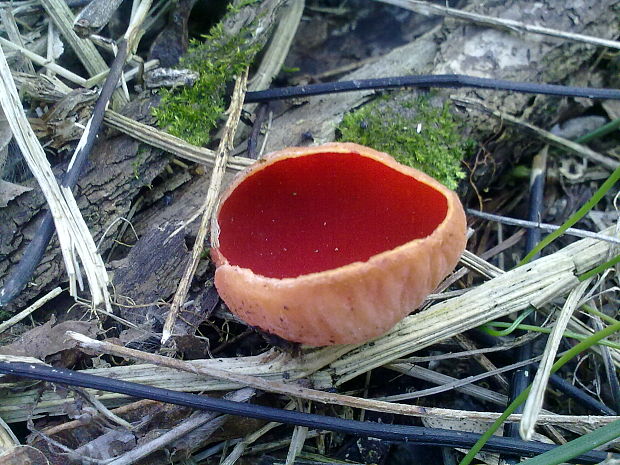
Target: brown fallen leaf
(47,342)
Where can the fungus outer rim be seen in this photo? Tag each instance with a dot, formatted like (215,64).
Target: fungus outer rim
(353,268)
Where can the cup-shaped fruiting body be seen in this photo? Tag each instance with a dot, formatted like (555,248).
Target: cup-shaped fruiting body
(333,244)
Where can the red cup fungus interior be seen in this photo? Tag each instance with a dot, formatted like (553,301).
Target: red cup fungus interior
(318,212)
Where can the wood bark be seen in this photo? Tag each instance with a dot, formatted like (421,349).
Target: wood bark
(118,169)
(458,47)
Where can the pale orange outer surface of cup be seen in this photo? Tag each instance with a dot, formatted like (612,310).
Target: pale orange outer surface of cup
(353,303)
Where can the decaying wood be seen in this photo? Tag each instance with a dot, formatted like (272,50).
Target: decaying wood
(474,50)
(94,17)
(117,170)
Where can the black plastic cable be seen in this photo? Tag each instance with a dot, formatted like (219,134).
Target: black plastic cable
(523,376)
(33,254)
(454,81)
(579,395)
(416,434)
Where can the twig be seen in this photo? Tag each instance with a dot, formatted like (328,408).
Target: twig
(547,136)
(102,409)
(484,361)
(456,384)
(24,313)
(169,143)
(543,226)
(196,421)
(430,9)
(219,168)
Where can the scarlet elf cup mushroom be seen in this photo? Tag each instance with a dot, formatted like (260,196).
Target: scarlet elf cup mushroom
(333,244)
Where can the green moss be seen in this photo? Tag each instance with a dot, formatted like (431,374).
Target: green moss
(414,131)
(193,112)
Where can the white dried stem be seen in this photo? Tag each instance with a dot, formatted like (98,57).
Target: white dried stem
(42,61)
(217,176)
(24,313)
(169,143)
(298,438)
(534,402)
(430,9)
(72,231)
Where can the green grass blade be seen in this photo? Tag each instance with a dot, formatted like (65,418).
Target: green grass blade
(600,132)
(594,271)
(598,195)
(574,448)
(574,351)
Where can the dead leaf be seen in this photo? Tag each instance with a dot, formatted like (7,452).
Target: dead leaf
(8,191)
(48,342)
(23,455)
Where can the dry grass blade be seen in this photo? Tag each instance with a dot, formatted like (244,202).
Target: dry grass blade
(534,402)
(73,233)
(169,143)
(552,139)
(427,8)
